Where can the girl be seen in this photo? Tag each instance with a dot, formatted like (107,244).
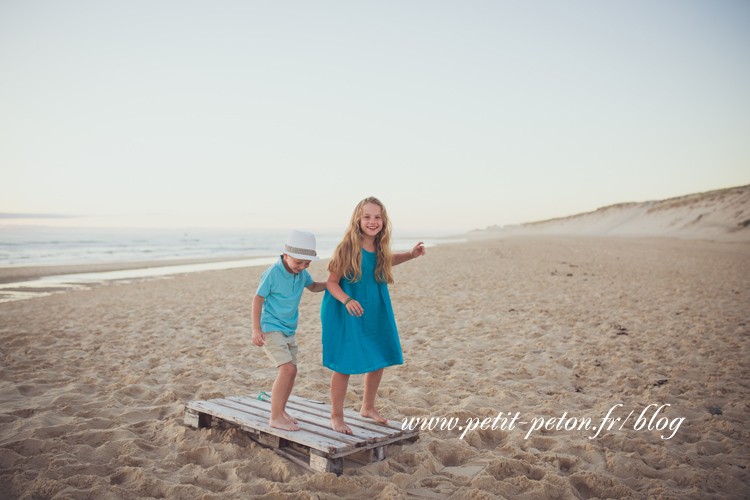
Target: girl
(359,330)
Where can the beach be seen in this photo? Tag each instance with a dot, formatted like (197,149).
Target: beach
(653,331)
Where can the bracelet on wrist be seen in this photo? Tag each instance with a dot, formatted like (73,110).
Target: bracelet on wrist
(347,301)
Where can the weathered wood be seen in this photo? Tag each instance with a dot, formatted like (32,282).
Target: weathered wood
(192,419)
(197,420)
(353,416)
(322,448)
(315,435)
(309,407)
(320,422)
(250,419)
(269,440)
(369,455)
(379,453)
(370,446)
(293,457)
(322,463)
(316,425)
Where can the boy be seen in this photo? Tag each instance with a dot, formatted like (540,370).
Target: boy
(275,312)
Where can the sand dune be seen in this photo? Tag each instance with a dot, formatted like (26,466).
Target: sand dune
(719,215)
(93,383)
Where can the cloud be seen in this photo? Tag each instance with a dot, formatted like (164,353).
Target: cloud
(36,216)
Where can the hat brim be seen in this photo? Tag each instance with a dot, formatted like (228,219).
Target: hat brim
(302,256)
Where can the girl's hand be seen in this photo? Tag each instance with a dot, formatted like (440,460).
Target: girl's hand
(354,308)
(259,338)
(418,250)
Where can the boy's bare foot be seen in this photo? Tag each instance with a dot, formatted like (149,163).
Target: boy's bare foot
(373,414)
(338,425)
(289,417)
(283,424)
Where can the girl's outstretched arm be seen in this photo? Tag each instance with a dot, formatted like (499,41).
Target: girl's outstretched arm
(417,251)
(354,307)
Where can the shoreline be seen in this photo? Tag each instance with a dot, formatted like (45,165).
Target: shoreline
(28,273)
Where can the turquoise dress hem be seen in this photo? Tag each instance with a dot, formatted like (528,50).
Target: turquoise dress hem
(355,345)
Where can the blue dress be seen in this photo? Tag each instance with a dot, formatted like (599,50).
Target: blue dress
(354,345)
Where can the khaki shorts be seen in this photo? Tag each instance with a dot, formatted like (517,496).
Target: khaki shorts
(280,348)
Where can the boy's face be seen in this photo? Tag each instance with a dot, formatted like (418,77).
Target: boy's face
(295,266)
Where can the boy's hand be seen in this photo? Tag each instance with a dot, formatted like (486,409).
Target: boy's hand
(259,338)
(354,308)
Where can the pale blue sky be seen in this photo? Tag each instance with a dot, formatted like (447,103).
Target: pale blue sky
(458,115)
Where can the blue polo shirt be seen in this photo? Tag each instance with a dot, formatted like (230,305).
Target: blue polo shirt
(282,291)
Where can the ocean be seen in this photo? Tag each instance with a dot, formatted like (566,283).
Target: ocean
(35,246)
(58,246)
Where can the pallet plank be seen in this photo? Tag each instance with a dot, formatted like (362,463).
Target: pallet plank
(353,419)
(371,446)
(192,418)
(315,425)
(322,409)
(282,452)
(352,416)
(315,446)
(322,419)
(322,463)
(324,439)
(245,418)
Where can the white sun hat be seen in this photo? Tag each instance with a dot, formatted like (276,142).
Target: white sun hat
(301,245)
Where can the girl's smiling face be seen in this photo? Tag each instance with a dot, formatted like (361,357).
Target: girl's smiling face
(371,221)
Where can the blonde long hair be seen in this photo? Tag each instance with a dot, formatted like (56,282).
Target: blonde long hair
(347,258)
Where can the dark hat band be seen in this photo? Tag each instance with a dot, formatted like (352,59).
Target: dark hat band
(302,251)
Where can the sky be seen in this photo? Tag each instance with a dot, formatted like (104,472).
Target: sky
(457,115)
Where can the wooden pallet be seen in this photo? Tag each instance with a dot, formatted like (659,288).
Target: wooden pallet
(315,446)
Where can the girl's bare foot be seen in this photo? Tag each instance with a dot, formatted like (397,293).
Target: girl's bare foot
(373,414)
(283,424)
(289,417)
(338,425)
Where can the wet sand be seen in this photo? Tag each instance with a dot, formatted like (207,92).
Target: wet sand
(93,383)
(26,273)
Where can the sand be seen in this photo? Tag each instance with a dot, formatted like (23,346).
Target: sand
(93,383)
